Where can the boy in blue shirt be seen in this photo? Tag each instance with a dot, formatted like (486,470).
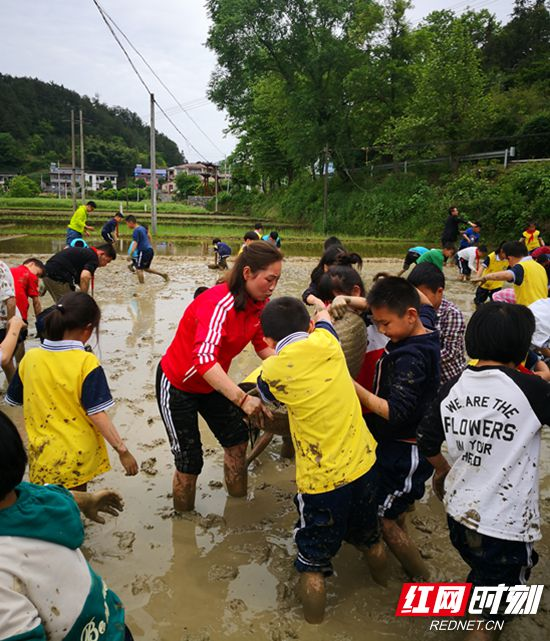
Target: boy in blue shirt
(406,382)
(470,237)
(142,245)
(222,252)
(109,231)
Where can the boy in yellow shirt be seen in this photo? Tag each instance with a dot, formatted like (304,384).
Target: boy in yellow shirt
(531,237)
(335,452)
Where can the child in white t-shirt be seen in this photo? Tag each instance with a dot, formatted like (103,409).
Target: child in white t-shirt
(491,418)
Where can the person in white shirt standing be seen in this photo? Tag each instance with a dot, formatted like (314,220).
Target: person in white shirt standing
(491,418)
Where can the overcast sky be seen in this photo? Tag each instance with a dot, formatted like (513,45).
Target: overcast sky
(67,42)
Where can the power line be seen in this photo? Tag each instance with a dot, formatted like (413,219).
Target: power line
(140,55)
(117,39)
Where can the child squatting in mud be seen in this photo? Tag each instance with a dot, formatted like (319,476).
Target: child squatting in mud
(335,460)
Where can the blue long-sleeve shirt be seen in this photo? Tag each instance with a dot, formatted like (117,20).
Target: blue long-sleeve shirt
(407,376)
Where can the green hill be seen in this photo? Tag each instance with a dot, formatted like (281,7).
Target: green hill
(35,130)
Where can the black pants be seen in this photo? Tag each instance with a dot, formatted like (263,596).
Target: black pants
(180,414)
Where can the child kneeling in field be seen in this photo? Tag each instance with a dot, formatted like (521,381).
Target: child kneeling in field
(491,418)
(335,477)
(48,590)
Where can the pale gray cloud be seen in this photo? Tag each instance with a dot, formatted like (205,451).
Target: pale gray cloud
(66,41)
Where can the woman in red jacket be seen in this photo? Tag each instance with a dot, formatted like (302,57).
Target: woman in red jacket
(192,375)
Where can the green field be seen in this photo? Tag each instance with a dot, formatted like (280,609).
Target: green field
(65,204)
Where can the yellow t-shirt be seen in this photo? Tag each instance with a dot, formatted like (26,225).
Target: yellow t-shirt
(78,219)
(534,285)
(495,265)
(309,375)
(59,385)
(531,239)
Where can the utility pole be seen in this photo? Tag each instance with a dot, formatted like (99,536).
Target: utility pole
(73,161)
(153,154)
(82,173)
(216,188)
(325,190)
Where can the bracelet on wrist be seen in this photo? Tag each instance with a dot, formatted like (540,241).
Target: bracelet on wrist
(243,399)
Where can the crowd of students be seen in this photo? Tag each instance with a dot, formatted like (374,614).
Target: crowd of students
(364,448)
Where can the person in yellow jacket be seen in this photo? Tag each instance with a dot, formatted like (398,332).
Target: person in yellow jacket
(77,225)
(529,278)
(531,237)
(495,262)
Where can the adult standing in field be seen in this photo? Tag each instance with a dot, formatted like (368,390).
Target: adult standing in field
(142,248)
(78,224)
(74,266)
(451,230)
(192,375)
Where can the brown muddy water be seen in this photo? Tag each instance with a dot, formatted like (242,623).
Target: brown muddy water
(225,572)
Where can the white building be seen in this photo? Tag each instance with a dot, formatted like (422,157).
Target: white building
(60,179)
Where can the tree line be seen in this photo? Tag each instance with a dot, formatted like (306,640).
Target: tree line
(306,82)
(35,130)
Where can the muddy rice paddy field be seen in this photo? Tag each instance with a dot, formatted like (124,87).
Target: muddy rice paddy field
(225,571)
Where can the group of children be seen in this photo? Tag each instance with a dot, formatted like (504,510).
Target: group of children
(365,448)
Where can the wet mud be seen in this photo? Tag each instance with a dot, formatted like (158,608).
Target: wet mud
(225,571)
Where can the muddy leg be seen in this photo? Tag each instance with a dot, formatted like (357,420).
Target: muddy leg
(287,448)
(183,491)
(259,446)
(140,275)
(234,469)
(404,549)
(161,274)
(312,593)
(377,560)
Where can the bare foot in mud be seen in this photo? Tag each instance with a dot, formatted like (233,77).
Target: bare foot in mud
(403,547)
(235,472)
(312,593)
(184,487)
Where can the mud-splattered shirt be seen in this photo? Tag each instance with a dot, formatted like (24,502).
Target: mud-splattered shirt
(491,419)
(310,376)
(60,385)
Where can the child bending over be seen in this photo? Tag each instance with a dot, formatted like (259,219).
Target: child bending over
(65,395)
(406,382)
(491,419)
(335,474)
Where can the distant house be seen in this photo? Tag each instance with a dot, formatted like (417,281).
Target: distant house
(5,179)
(60,179)
(205,170)
(145,174)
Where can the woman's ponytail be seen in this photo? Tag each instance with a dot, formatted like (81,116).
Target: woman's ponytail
(75,310)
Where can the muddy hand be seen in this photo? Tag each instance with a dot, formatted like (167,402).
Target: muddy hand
(253,406)
(338,307)
(129,463)
(107,501)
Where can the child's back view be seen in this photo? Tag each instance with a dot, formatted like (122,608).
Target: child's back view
(336,497)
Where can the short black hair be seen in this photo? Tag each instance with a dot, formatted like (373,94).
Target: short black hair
(427,275)
(258,226)
(452,207)
(449,245)
(215,241)
(284,316)
(119,214)
(13,458)
(108,249)
(476,224)
(330,241)
(91,203)
(483,248)
(274,235)
(131,219)
(36,262)
(340,278)
(250,235)
(395,293)
(500,332)
(199,291)
(515,248)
